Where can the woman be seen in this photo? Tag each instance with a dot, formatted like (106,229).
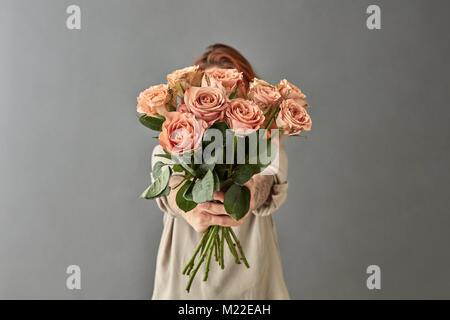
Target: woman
(256,231)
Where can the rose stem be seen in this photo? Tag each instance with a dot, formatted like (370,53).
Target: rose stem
(189,269)
(222,239)
(218,246)
(210,238)
(274,114)
(216,253)
(241,251)
(231,245)
(208,261)
(199,245)
(203,241)
(212,234)
(178,184)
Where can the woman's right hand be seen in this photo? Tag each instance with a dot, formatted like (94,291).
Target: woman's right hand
(209,214)
(204,214)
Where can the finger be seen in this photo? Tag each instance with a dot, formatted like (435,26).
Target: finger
(219,195)
(204,219)
(224,221)
(217,209)
(213,208)
(251,182)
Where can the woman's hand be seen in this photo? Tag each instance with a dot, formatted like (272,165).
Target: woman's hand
(260,187)
(204,214)
(210,213)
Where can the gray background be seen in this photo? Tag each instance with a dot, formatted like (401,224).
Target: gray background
(370,184)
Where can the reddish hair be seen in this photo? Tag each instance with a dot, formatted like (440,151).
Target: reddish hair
(223,56)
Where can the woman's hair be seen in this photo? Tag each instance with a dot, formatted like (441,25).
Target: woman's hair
(223,56)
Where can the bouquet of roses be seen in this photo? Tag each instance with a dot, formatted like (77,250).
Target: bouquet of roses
(218,135)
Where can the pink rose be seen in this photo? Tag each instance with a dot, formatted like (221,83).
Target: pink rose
(290,91)
(244,116)
(181,132)
(293,117)
(155,100)
(228,79)
(180,80)
(264,95)
(206,103)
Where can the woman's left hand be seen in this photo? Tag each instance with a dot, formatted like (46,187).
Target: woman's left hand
(220,196)
(259,186)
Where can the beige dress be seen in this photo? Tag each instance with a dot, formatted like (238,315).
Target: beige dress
(264,279)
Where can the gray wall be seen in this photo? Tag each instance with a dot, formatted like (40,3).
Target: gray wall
(369,185)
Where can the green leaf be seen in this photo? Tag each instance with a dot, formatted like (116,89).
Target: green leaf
(188,193)
(204,188)
(177,168)
(203,169)
(244,172)
(222,126)
(164,155)
(185,165)
(225,184)
(216,181)
(156,171)
(166,191)
(158,186)
(222,170)
(181,201)
(152,122)
(237,201)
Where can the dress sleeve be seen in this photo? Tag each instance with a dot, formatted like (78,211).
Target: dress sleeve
(278,168)
(162,201)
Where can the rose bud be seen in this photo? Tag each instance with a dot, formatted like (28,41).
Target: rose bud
(229,80)
(293,117)
(155,100)
(244,116)
(181,132)
(206,103)
(264,95)
(180,80)
(290,91)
